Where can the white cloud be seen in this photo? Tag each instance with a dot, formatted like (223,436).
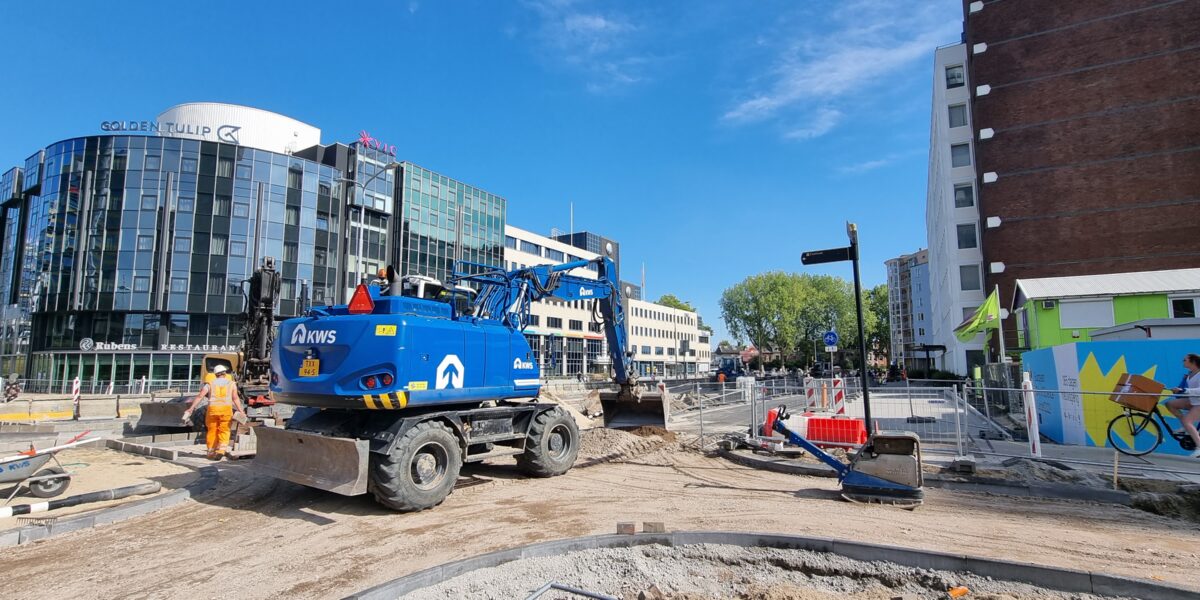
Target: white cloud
(821,72)
(871,165)
(821,123)
(595,44)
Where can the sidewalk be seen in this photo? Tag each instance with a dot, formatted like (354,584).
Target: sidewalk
(1095,460)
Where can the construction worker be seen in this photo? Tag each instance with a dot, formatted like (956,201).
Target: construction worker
(222,402)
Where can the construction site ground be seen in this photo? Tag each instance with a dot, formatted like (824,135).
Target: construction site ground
(266,538)
(96,469)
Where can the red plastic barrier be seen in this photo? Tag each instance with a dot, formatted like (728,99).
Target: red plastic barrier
(839,432)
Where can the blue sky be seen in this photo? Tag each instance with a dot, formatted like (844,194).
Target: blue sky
(714,140)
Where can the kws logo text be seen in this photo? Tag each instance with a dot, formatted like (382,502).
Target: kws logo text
(301,335)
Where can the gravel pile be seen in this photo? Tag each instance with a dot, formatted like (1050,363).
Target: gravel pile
(711,571)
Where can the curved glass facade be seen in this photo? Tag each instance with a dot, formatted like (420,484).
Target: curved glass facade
(132,250)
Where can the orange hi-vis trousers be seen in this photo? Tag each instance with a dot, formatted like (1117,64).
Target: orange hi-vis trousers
(217,421)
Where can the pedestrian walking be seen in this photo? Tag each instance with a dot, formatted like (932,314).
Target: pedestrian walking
(222,402)
(1186,403)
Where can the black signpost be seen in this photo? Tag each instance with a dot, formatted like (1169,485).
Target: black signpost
(850,253)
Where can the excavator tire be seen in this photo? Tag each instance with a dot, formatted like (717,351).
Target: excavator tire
(552,445)
(420,471)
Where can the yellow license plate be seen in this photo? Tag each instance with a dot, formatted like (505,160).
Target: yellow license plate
(311,367)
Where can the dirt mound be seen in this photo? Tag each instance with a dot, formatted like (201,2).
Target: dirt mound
(1027,470)
(602,445)
(650,430)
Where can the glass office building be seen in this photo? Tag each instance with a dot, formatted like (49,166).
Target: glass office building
(133,250)
(124,256)
(445,220)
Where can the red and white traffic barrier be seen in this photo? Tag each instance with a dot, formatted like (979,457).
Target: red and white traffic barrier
(75,397)
(810,393)
(839,396)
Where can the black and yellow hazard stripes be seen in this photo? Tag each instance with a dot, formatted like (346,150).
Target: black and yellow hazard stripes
(385,401)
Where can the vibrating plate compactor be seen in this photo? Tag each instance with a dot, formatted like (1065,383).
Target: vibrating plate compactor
(886,470)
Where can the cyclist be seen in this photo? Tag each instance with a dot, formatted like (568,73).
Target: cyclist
(1187,398)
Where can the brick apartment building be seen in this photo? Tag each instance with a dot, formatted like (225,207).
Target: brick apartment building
(1087,136)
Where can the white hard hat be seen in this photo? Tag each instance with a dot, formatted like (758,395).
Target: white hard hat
(217,370)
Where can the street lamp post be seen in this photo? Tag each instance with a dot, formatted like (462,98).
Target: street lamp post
(362,211)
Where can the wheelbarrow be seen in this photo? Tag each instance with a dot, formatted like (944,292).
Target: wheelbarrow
(25,469)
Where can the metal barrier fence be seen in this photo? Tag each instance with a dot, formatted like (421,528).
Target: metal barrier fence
(143,386)
(943,418)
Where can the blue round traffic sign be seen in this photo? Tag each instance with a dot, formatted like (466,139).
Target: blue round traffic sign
(831,338)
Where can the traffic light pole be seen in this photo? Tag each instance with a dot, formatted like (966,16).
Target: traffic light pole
(852,230)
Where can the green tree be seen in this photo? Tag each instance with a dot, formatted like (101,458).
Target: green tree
(879,330)
(789,312)
(671,301)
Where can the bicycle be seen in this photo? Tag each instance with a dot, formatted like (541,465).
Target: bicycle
(1137,433)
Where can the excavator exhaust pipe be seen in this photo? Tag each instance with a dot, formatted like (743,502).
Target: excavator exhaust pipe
(634,407)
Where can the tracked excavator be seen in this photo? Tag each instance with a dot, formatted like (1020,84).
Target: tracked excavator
(250,365)
(413,378)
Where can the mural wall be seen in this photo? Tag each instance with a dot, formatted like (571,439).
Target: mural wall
(1074,382)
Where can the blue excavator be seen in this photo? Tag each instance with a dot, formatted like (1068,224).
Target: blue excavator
(415,377)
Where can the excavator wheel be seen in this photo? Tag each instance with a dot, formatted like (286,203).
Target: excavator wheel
(420,471)
(552,445)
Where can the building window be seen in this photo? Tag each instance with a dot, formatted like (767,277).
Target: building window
(153,163)
(239,249)
(241,209)
(969,278)
(294,179)
(224,167)
(554,322)
(510,242)
(594,327)
(188,165)
(554,254)
(186,204)
(216,285)
(531,248)
(291,215)
(964,195)
(960,155)
(290,250)
(958,115)
(149,201)
(179,285)
(966,236)
(575,325)
(535,320)
(242,172)
(145,242)
(969,312)
(955,77)
(141,284)
(183,244)
(219,245)
(221,205)
(1184,308)
(658,351)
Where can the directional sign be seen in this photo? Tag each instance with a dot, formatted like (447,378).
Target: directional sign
(831,338)
(816,257)
(831,348)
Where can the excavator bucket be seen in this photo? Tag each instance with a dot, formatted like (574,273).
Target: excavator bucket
(629,409)
(163,414)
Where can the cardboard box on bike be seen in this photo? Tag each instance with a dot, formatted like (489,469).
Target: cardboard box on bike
(1129,387)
